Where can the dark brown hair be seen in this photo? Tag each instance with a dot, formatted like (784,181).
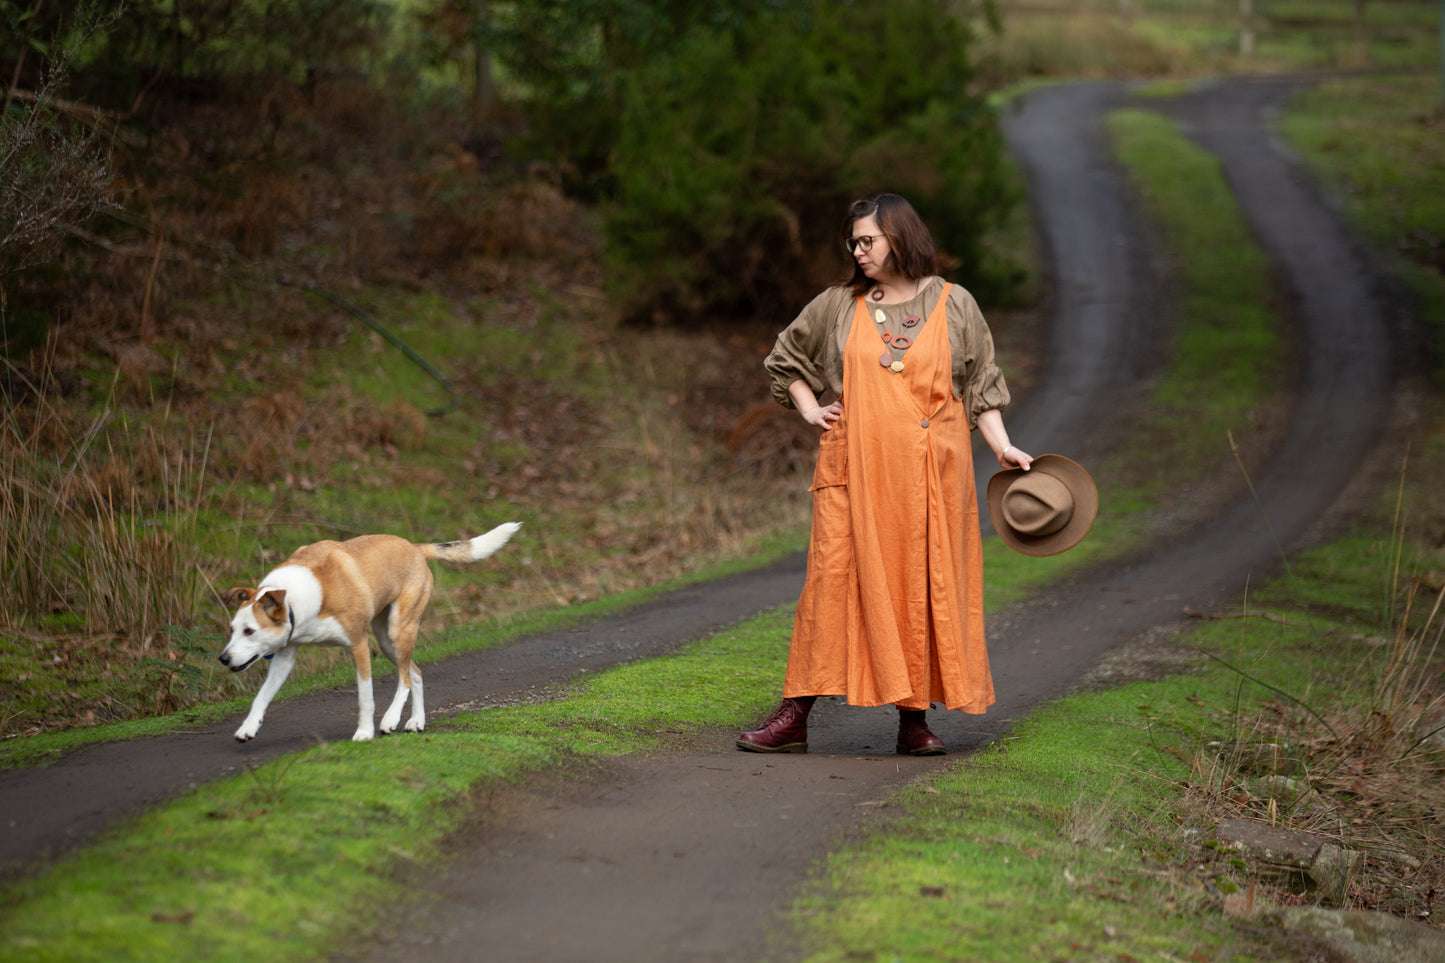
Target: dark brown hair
(911,253)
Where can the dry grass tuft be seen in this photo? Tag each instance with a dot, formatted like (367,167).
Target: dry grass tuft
(1074,43)
(97,521)
(1366,771)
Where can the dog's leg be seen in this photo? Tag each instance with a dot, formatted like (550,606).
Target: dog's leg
(417,722)
(408,683)
(408,679)
(365,703)
(380,625)
(398,632)
(276,673)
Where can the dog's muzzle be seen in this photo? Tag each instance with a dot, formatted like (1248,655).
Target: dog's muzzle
(225,659)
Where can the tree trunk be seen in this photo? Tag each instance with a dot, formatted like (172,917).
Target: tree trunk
(483,89)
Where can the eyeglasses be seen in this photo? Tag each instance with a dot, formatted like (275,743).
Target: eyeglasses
(865,241)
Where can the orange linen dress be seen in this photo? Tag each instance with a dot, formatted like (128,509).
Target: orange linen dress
(892,608)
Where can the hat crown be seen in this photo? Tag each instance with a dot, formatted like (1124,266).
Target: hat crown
(1038,504)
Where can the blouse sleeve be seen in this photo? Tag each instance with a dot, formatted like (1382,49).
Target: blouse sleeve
(807,349)
(976,377)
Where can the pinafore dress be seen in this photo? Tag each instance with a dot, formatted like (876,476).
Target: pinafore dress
(892,608)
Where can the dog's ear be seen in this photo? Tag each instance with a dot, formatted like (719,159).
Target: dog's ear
(235,597)
(273,603)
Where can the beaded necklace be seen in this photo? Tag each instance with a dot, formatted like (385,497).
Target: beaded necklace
(896,341)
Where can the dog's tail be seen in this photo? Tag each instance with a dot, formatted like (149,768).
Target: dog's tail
(470,550)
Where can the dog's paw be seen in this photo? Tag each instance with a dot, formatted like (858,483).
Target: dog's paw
(363,735)
(247,733)
(388,724)
(415,725)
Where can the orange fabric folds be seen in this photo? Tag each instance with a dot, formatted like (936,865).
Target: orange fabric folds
(892,609)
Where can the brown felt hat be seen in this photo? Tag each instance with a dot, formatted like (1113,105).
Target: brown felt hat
(1045,510)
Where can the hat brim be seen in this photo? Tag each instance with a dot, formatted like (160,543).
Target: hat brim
(1081,488)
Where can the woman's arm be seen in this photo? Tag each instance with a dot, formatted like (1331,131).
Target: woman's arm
(990,423)
(807,404)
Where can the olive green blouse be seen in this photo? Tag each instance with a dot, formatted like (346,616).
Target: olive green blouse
(811,348)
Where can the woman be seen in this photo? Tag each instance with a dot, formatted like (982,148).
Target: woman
(892,609)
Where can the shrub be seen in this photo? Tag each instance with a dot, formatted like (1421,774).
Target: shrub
(738,153)
(53,170)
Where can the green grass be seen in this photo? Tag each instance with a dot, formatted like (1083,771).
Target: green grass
(723,681)
(1375,142)
(1222,272)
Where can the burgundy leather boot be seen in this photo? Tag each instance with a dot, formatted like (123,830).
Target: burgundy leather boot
(914,739)
(786,730)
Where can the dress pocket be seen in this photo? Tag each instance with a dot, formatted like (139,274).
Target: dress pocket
(832,468)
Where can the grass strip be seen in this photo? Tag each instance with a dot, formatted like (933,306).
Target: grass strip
(1228,354)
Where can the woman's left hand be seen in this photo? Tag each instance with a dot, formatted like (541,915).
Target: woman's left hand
(1015,457)
(990,422)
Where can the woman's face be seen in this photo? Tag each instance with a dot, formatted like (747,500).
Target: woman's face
(872,261)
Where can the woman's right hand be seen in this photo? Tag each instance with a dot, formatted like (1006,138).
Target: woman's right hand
(824,416)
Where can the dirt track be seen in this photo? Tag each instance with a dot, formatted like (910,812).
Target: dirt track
(689,855)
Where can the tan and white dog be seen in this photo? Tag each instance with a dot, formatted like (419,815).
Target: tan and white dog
(327,593)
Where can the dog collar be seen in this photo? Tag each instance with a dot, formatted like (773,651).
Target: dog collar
(290,623)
